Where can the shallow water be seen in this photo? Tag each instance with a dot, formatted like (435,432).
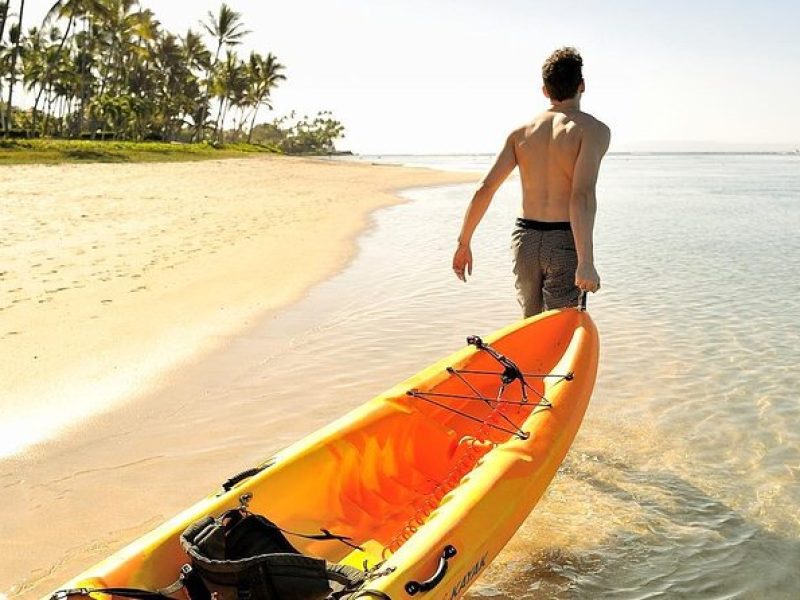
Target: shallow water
(684,479)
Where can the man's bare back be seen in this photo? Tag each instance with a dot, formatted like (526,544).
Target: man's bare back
(558,154)
(546,150)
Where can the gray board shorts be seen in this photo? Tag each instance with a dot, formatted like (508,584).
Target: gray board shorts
(545,261)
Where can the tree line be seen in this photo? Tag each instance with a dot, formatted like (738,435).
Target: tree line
(107,69)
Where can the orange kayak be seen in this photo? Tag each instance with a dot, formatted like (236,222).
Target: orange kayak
(427,482)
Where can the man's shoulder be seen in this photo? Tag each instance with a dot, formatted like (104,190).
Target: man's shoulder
(587,127)
(582,119)
(529,129)
(595,125)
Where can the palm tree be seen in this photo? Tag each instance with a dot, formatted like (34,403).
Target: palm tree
(197,58)
(4,6)
(228,30)
(264,75)
(16,39)
(33,66)
(110,62)
(118,31)
(176,86)
(195,52)
(50,61)
(230,85)
(93,10)
(3,17)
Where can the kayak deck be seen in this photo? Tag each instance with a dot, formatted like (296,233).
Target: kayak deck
(415,468)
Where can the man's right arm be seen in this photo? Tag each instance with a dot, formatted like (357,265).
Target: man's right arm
(504,164)
(583,202)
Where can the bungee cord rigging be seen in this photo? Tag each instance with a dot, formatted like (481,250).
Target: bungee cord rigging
(497,420)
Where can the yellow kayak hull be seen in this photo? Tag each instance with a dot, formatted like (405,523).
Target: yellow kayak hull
(405,477)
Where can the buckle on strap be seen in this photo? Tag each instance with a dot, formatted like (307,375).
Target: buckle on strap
(186,570)
(63,594)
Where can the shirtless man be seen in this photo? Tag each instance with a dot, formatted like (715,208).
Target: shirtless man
(558,155)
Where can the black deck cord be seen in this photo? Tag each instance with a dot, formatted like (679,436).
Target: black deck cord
(325,534)
(195,588)
(487,400)
(189,579)
(518,433)
(475,391)
(543,401)
(496,401)
(121,592)
(511,371)
(568,376)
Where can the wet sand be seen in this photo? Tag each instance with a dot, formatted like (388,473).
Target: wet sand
(119,284)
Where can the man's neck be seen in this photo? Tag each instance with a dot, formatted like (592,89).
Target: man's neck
(565,105)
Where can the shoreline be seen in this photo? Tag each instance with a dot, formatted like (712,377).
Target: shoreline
(75,465)
(169,285)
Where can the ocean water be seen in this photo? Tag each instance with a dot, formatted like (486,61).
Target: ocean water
(684,481)
(685,478)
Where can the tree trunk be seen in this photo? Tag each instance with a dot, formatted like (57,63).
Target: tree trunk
(49,74)
(223,111)
(4,18)
(49,101)
(34,115)
(82,80)
(201,126)
(242,120)
(219,115)
(253,122)
(14,55)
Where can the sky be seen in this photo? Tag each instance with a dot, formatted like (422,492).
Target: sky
(448,76)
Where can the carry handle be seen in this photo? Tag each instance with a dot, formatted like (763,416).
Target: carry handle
(582,300)
(230,483)
(414,587)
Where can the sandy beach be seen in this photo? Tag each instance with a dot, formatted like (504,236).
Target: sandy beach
(115,277)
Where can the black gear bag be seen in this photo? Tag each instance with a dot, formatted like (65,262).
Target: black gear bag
(245,556)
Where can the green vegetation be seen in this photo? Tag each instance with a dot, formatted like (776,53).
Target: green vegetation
(106,71)
(304,136)
(60,151)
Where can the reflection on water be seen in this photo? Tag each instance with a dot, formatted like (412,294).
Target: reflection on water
(684,478)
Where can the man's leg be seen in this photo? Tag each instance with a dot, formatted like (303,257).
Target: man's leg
(560,262)
(526,251)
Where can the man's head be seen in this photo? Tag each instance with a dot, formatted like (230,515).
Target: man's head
(562,74)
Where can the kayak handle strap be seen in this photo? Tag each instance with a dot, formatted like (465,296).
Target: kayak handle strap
(414,587)
(231,482)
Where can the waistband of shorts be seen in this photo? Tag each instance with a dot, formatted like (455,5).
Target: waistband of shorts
(544,225)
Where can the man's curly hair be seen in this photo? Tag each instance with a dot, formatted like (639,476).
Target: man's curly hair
(562,73)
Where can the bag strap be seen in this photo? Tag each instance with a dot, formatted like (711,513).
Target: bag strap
(121,592)
(188,579)
(236,514)
(369,594)
(259,582)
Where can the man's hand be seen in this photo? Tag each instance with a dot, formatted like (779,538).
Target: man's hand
(462,261)
(586,277)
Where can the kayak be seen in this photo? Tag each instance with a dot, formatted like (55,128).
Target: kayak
(417,490)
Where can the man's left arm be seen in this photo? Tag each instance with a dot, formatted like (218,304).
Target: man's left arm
(583,203)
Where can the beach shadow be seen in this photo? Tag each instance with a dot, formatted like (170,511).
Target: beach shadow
(94,155)
(684,543)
